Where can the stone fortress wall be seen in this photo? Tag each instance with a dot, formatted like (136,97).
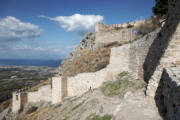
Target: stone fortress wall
(100,27)
(145,58)
(22,96)
(121,57)
(44,93)
(61,88)
(116,33)
(132,57)
(16,101)
(164,51)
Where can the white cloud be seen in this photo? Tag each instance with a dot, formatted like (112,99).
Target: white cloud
(12,29)
(77,23)
(29,47)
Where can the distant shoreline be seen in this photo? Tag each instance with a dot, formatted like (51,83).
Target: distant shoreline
(30,62)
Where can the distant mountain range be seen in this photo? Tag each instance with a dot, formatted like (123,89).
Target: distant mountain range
(30,62)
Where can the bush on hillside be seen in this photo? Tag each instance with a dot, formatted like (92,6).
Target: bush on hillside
(149,26)
(161,8)
(130,26)
(5,105)
(32,109)
(97,117)
(123,83)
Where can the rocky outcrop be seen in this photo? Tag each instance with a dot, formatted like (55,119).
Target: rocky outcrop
(86,43)
(102,37)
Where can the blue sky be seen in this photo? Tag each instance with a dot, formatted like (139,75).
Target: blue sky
(50,29)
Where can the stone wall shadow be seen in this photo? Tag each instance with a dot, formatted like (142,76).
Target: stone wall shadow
(159,100)
(158,48)
(167,98)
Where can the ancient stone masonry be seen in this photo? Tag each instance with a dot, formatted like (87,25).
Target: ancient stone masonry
(43,94)
(56,90)
(72,86)
(103,36)
(164,51)
(19,99)
(168,94)
(100,27)
(120,60)
(146,58)
(109,34)
(22,97)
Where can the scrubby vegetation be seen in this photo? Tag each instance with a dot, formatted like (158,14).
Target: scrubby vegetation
(130,26)
(89,61)
(123,83)
(150,25)
(161,8)
(32,109)
(39,113)
(97,117)
(5,105)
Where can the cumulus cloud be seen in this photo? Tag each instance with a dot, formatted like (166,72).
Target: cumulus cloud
(77,23)
(12,29)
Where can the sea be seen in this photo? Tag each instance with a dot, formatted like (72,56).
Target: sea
(30,62)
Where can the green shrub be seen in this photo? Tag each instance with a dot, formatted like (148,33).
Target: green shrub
(161,8)
(122,74)
(121,85)
(101,66)
(130,26)
(97,117)
(150,25)
(32,109)
(116,88)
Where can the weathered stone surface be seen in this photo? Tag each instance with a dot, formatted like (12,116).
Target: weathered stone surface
(164,51)
(44,93)
(56,90)
(145,58)
(168,94)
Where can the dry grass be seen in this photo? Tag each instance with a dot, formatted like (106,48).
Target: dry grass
(5,105)
(88,62)
(37,115)
(150,25)
(97,117)
(42,83)
(122,84)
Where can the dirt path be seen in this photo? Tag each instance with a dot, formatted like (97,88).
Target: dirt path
(134,106)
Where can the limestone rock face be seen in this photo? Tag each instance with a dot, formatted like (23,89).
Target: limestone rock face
(86,43)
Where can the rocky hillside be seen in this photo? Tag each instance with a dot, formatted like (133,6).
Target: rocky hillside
(128,78)
(113,100)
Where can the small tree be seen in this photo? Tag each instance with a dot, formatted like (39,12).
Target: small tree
(161,8)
